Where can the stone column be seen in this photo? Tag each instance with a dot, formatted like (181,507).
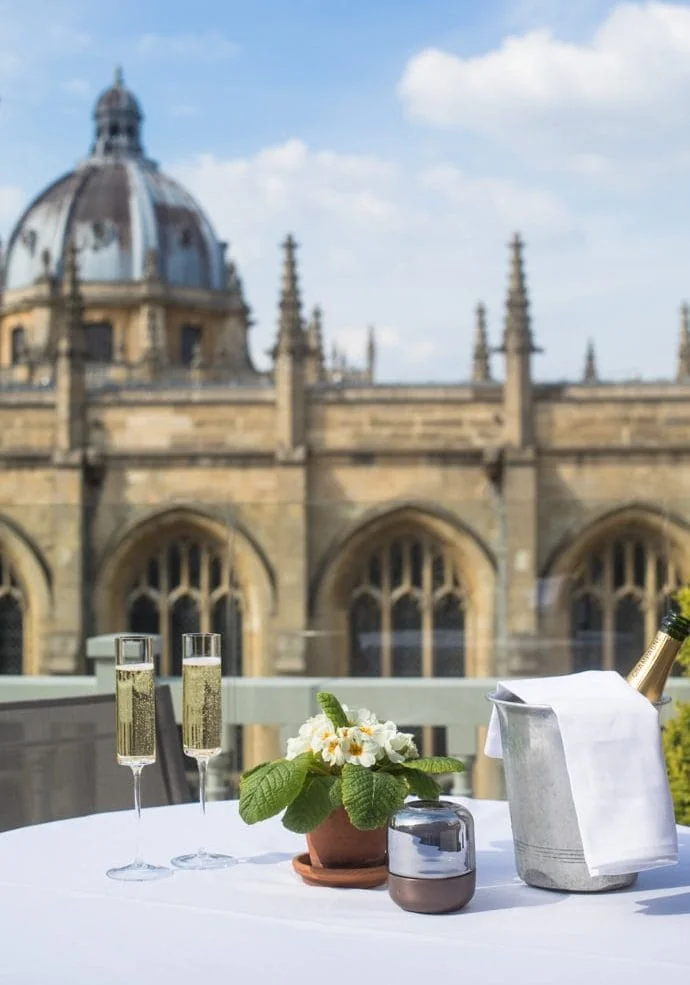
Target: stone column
(291,563)
(66,644)
(520,493)
(65,653)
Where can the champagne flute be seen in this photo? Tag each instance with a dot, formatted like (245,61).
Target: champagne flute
(202,725)
(136,735)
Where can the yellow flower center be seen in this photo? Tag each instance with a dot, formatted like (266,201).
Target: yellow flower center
(356,748)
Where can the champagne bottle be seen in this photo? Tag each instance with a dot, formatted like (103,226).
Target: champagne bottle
(651,671)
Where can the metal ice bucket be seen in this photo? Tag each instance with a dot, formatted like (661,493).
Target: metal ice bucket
(546,835)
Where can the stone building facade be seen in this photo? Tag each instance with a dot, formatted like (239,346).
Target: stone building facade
(152,480)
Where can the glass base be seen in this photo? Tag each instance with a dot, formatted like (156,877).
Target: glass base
(139,872)
(204,860)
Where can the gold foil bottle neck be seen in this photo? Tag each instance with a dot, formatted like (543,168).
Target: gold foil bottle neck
(650,673)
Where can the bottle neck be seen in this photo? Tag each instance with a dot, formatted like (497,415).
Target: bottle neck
(650,673)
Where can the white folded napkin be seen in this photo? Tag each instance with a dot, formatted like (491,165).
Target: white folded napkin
(613,753)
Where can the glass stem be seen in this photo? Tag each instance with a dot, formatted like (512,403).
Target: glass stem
(136,773)
(202,763)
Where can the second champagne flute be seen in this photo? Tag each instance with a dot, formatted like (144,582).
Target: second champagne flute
(202,723)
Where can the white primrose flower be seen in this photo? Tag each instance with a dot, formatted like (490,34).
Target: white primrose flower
(363,719)
(365,741)
(326,741)
(362,716)
(398,746)
(333,750)
(360,747)
(322,732)
(310,737)
(369,724)
(297,746)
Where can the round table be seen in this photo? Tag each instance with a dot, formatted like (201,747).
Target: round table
(63,921)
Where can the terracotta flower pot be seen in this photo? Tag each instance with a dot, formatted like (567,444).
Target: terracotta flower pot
(337,843)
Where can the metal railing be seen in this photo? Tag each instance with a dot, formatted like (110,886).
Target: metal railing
(457,704)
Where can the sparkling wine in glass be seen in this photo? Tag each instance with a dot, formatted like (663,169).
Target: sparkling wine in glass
(136,735)
(202,724)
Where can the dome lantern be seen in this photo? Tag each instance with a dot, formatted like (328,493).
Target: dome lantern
(118,120)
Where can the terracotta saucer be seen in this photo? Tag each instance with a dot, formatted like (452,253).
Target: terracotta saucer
(374,875)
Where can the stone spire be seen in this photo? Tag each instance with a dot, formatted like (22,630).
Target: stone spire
(73,304)
(518,347)
(590,374)
(518,333)
(315,341)
(684,346)
(291,336)
(371,354)
(292,368)
(233,281)
(315,331)
(481,367)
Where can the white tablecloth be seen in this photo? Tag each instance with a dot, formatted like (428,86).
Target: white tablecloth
(62,922)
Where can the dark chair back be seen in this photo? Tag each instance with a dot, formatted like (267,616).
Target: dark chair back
(57,760)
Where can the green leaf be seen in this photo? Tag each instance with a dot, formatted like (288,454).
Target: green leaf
(436,764)
(253,770)
(370,797)
(311,806)
(332,708)
(422,785)
(267,790)
(336,793)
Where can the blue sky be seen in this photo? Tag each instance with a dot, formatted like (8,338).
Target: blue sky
(403,143)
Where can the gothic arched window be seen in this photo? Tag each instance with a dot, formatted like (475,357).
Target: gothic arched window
(18,348)
(618,596)
(99,342)
(187,584)
(12,605)
(190,343)
(407,615)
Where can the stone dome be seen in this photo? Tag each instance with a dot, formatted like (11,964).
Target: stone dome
(121,212)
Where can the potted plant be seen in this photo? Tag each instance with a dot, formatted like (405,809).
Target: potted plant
(342,778)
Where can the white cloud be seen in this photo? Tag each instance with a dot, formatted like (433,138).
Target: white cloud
(508,202)
(408,251)
(414,353)
(210,46)
(627,86)
(280,183)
